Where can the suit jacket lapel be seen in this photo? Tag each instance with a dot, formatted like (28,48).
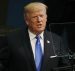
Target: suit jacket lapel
(48,49)
(28,49)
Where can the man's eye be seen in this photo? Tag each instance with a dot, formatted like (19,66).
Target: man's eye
(34,17)
(41,15)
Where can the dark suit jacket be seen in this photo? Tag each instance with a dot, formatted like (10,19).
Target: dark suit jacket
(18,56)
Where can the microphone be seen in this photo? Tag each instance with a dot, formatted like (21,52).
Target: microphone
(67,55)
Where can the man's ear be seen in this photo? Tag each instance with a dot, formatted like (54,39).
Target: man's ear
(25,19)
(46,16)
(26,22)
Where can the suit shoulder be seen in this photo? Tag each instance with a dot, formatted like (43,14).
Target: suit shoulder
(53,35)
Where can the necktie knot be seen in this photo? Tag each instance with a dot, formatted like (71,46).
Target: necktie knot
(38,37)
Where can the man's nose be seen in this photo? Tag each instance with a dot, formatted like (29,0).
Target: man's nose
(39,18)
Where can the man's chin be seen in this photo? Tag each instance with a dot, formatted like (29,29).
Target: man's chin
(40,31)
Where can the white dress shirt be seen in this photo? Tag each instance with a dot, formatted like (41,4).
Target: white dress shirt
(33,41)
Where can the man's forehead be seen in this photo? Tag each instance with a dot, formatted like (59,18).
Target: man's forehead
(37,8)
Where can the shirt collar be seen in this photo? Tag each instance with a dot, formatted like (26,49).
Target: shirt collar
(32,36)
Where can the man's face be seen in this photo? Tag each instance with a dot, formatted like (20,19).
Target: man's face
(36,21)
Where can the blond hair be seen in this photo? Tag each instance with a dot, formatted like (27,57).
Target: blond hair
(34,6)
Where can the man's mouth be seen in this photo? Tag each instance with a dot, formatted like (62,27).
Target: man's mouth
(39,26)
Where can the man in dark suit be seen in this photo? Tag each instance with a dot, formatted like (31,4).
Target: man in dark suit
(21,55)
